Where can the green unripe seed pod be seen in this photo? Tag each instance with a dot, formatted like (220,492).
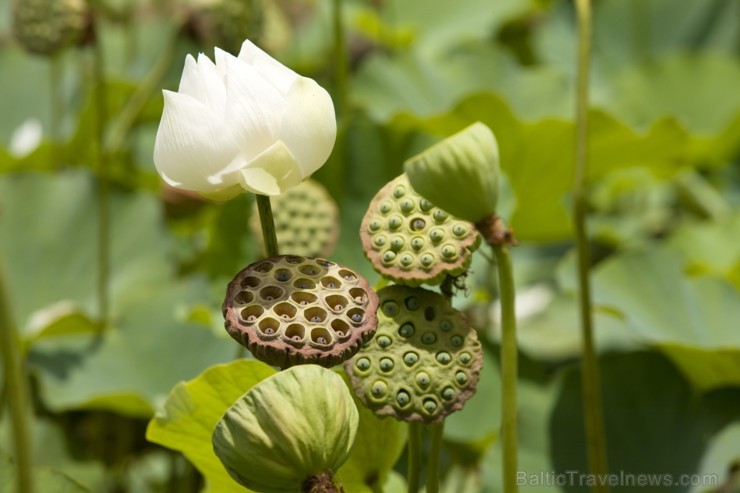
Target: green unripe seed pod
(45,27)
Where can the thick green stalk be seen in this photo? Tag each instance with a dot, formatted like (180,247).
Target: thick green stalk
(101,117)
(268,226)
(17,388)
(435,453)
(414,455)
(591,381)
(508,367)
(341,69)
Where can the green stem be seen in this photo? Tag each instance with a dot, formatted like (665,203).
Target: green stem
(17,387)
(268,226)
(341,69)
(435,453)
(591,382)
(508,367)
(101,116)
(56,107)
(414,455)
(144,91)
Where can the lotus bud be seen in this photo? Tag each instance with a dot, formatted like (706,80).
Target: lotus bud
(225,23)
(411,241)
(46,26)
(289,433)
(459,174)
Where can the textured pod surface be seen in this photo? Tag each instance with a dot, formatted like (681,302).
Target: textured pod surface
(289,310)
(424,361)
(411,241)
(306,220)
(46,26)
(291,426)
(226,23)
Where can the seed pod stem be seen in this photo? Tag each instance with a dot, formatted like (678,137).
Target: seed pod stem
(268,225)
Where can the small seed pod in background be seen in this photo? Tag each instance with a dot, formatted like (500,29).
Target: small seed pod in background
(424,361)
(306,220)
(291,310)
(45,27)
(289,433)
(225,23)
(411,241)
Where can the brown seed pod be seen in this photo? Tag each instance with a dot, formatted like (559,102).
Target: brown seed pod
(289,310)
(411,241)
(424,361)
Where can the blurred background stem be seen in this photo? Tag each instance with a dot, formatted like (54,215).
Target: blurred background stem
(16,385)
(268,226)
(414,456)
(508,367)
(590,374)
(341,68)
(56,106)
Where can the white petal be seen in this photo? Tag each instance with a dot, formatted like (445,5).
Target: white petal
(189,82)
(194,150)
(254,108)
(272,172)
(309,126)
(280,76)
(202,81)
(26,138)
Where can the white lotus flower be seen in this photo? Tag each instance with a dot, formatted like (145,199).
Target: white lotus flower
(243,123)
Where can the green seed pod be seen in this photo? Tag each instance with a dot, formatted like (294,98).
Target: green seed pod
(225,23)
(467,160)
(412,242)
(291,310)
(296,426)
(46,26)
(426,362)
(306,220)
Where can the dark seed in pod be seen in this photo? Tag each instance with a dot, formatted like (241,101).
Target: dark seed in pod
(296,338)
(321,340)
(268,298)
(304,302)
(286,316)
(340,333)
(269,331)
(338,308)
(251,318)
(283,276)
(356,317)
(315,319)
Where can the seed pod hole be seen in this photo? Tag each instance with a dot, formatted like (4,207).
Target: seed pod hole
(347,275)
(425,205)
(403,398)
(386,364)
(303,298)
(284,310)
(397,242)
(375,225)
(315,315)
(395,222)
(325,263)
(264,267)
(427,259)
(252,313)
(406,260)
(437,235)
(461,378)
(283,275)
(429,338)
(456,341)
(331,282)
(449,252)
(417,243)
(321,336)
(429,313)
(379,241)
(412,303)
(399,191)
(269,326)
(362,364)
(445,325)
(309,270)
(294,259)
(406,330)
(444,357)
(340,327)
(440,216)
(383,341)
(390,308)
(358,295)
(417,224)
(295,332)
(423,379)
(410,358)
(271,293)
(303,283)
(356,315)
(448,393)
(430,405)
(379,389)
(244,297)
(336,302)
(385,207)
(407,205)
(465,358)
(389,256)
(250,282)
(459,230)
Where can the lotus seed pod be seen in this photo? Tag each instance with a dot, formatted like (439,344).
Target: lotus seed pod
(424,361)
(459,174)
(412,242)
(295,426)
(306,220)
(291,310)
(46,26)
(225,23)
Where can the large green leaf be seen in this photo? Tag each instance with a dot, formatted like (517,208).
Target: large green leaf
(655,423)
(192,409)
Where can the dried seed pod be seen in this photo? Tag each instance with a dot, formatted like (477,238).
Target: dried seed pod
(225,23)
(289,310)
(424,361)
(294,427)
(411,241)
(306,220)
(46,26)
